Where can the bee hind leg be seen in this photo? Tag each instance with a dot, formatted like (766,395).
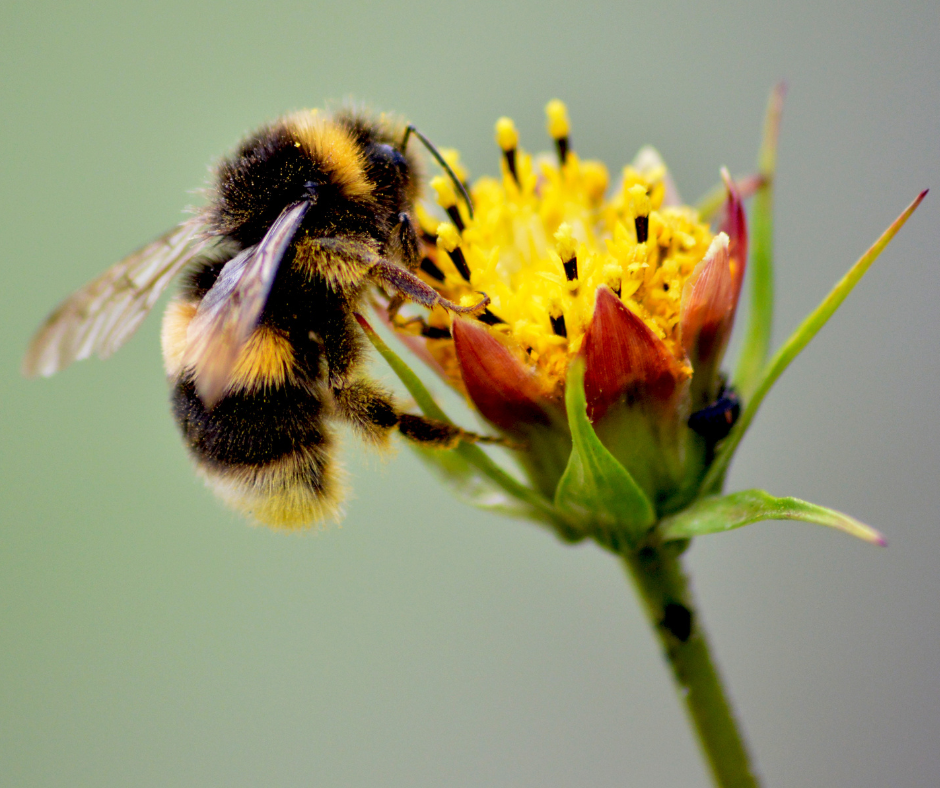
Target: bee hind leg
(441,435)
(371,411)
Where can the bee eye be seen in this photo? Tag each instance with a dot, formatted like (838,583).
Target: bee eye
(388,158)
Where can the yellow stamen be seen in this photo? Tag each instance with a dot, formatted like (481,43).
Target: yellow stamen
(558,124)
(444,188)
(506,135)
(447,236)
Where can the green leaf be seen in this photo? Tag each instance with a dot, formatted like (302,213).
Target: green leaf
(717,514)
(595,486)
(756,346)
(470,472)
(798,340)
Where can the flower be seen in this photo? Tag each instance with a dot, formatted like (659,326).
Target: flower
(634,283)
(598,358)
(598,361)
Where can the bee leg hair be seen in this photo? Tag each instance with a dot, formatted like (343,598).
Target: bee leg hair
(371,411)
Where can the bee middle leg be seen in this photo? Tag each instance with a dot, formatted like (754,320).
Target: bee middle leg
(408,324)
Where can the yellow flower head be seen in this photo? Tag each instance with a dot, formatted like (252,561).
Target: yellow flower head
(545,236)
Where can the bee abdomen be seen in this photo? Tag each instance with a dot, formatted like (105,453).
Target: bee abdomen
(266,453)
(265,448)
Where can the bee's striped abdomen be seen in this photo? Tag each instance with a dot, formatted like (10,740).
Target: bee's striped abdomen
(265,447)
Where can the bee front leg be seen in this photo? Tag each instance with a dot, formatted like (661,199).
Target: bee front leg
(407,284)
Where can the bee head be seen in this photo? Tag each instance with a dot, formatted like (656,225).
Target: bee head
(390,171)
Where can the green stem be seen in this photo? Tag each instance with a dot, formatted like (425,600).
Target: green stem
(661,583)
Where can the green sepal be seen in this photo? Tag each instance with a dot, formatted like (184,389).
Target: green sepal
(716,514)
(595,488)
(794,345)
(470,472)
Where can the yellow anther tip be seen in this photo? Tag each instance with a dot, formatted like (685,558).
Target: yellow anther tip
(506,135)
(565,242)
(444,189)
(447,236)
(641,200)
(558,124)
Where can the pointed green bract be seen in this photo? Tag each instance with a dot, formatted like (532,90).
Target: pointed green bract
(405,374)
(717,514)
(798,340)
(756,346)
(471,486)
(595,485)
(469,470)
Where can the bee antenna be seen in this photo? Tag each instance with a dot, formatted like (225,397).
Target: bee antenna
(440,160)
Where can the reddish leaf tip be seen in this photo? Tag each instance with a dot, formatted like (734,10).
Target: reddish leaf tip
(364,323)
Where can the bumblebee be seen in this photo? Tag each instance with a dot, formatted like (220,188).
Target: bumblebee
(261,345)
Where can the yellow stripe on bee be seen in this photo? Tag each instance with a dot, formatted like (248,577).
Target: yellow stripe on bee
(266,361)
(332,145)
(179,313)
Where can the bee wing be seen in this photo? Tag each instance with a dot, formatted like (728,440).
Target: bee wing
(231,309)
(103,315)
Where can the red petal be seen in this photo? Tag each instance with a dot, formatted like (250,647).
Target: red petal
(735,226)
(501,388)
(623,356)
(708,305)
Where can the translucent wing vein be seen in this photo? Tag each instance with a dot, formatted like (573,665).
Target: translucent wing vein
(104,314)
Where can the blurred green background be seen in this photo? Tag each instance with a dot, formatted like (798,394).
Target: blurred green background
(150,638)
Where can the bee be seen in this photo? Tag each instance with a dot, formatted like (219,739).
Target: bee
(261,345)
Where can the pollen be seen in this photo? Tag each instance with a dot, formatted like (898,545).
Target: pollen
(549,233)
